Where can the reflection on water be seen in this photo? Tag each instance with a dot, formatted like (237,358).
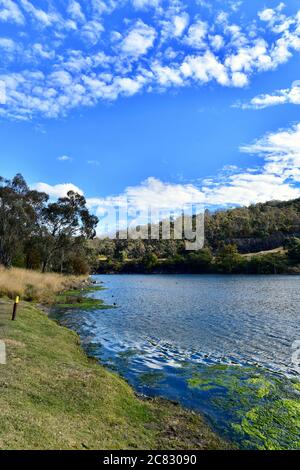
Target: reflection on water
(166,330)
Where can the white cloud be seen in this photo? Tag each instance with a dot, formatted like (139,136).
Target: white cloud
(139,40)
(239,79)
(249,58)
(128,86)
(151,193)
(7,44)
(180,23)
(267,14)
(279,97)
(205,68)
(75,11)
(64,158)
(145,3)
(217,42)
(276,179)
(247,188)
(57,190)
(10,12)
(41,51)
(273,16)
(81,53)
(167,76)
(2,93)
(174,26)
(196,34)
(41,16)
(91,31)
(278,145)
(61,78)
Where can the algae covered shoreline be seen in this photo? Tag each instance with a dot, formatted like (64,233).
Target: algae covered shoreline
(247,404)
(53,396)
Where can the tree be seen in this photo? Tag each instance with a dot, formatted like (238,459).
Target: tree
(35,233)
(149,261)
(228,258)
(20,209)
(65,222)
(200,261)
(293,246)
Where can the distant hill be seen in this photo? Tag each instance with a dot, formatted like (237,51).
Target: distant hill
(268,232)
(259,227)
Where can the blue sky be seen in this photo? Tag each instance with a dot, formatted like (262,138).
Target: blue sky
(189,100)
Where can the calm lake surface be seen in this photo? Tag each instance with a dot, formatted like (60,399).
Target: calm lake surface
(164,329)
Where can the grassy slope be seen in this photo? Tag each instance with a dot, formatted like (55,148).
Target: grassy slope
(33,285)
(53,397)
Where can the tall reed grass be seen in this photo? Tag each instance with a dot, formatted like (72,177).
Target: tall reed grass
(33,285)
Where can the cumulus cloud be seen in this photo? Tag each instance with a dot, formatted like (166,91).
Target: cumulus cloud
(7,44)
(279,97)
(196,35)
(174,26)
(91,31)
(10,12)
(145,3)
(162,198)
(205,68)
(75,11)
(277,179)
(38,14)
(177,46)
(57,190)
(139,39)
(2,93)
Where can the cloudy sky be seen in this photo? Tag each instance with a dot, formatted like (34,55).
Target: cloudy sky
(169,101)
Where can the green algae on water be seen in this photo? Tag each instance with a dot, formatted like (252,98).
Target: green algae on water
(152,378)
(78,299)
(261,409)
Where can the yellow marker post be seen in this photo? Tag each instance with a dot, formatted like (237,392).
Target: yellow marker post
(14,315)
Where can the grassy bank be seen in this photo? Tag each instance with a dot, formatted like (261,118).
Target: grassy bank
(53,397)
(33,285)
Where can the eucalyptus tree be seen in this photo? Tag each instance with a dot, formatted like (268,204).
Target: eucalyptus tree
(66,224)
(20,210)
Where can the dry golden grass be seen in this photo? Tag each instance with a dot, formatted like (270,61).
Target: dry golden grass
(33,285)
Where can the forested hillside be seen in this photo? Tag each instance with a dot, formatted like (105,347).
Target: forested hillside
(36,233)
(255,228)
(230,235)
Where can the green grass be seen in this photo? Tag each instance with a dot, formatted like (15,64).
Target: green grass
(74,299)
(52,396)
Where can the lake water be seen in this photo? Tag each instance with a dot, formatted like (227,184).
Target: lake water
(166,329)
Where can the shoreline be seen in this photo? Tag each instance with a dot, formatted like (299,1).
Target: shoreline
(266,398)
(57,415)
(114,273)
